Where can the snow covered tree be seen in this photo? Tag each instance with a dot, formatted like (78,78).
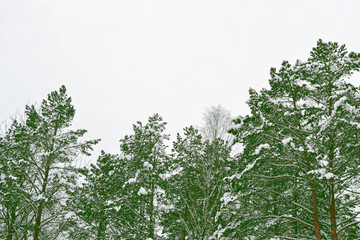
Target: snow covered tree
(15,211)
(196,185)
(337,148)
(96,205)
(146,159)
(301,151)
(50,150)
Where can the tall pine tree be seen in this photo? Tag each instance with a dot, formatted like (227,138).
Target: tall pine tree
(301,149)
(146,160)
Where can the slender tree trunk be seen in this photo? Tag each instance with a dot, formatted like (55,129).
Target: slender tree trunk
(38,220)
(332,211)
(41,204)
(312,185)
(43,190)
(314,201)
(316,212)
(333,226)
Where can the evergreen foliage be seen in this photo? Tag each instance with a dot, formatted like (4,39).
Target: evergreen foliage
(296,176)
(300,143)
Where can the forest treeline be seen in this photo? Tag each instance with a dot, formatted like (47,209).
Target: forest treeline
(296,176)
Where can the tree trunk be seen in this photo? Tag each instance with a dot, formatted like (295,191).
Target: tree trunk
(332,211)
(315,203)
(41,205)
(312,185)
(333,226)
(316,212)
(314,200)
(38,220)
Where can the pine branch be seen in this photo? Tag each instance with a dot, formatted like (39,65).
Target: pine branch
(292,218)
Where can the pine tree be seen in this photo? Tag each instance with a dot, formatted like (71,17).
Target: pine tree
(15,210)
(144,190)
(301,149)
(196,185)
(52,150)
(97,202)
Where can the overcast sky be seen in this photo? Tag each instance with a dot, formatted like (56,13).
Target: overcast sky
(123,61)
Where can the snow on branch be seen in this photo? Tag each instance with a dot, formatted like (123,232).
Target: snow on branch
(349,225)
(247,168)
(260,147)
(292,218)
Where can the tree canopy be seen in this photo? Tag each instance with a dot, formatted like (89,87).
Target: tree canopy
(296,175)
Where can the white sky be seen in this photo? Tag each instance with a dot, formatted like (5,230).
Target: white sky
(122,61)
